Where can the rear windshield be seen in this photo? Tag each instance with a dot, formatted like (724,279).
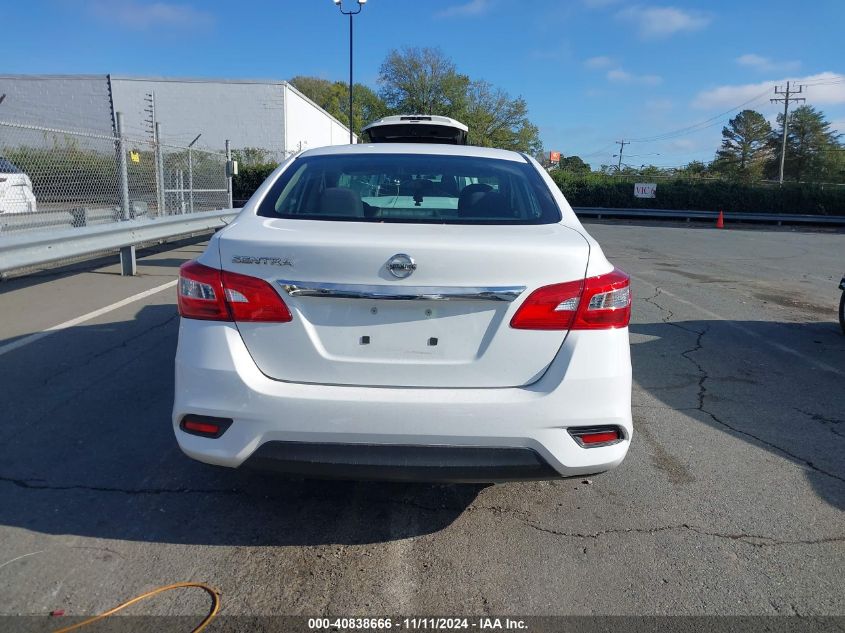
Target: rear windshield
(415,188)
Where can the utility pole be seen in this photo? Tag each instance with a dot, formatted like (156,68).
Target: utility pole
(622,145)
(786,98)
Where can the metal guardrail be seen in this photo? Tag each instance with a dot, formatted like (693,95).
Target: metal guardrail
(24,249)
(671,214)
(21,250)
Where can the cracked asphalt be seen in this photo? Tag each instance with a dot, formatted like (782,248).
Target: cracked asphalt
(730,501)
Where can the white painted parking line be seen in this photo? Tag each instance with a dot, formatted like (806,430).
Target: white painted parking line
(773,344)
(26,340)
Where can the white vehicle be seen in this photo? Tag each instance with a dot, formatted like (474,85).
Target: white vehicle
(15,190)
(406,311)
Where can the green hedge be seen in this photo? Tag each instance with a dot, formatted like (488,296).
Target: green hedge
(703,195)
(597,190)
(249,178)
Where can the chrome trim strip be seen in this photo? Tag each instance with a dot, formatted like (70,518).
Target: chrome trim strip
(400,293)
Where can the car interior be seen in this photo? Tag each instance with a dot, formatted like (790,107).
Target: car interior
(419,190)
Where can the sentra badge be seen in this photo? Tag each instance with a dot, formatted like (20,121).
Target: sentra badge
(266,261)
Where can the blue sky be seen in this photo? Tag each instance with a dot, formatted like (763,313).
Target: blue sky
(592,71)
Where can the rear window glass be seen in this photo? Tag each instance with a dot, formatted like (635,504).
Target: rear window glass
(415,188)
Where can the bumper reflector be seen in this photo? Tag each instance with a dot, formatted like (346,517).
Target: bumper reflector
(205,425)
(593,436)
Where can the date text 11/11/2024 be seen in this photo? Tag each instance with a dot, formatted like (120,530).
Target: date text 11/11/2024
(426,623)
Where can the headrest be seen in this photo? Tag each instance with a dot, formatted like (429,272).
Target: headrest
(341,201)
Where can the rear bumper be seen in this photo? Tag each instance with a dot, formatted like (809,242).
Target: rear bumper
(588,384)
(396,462)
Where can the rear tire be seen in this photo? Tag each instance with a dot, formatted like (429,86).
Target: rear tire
(842,312)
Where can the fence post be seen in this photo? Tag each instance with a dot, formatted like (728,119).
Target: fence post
(128,264)
(181,191)
(122,169)
(159,170)
(190,180)
(228,175)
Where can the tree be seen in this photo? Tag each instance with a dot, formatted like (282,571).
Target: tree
(333,97)
(652,171)
(426,81)
(745,146)
(252,156)
(422,81)
(574,165)
(695,169)
(812,148)
(496,120)
(321,91)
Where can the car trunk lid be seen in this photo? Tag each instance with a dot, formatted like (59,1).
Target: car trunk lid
(442,322)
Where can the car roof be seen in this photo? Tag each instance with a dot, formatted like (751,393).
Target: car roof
(417,148)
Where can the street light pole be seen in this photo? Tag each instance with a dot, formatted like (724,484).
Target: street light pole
(361,4)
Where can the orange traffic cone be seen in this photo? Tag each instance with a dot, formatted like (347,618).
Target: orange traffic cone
(720,221)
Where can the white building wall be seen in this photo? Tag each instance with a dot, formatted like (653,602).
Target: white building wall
(310,126)
(272,115)
(77,103)
(249,114)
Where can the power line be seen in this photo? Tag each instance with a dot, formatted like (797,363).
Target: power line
(786,98)
(598,151)
(701,124)
(714,120)
(825,81)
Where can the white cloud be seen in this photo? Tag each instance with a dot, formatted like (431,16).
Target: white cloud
(655,22)
(825,88)
(764,64)
(600,61)
(473,7)
(620,75)
(137,15)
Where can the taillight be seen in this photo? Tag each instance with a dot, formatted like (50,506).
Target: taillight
(596,303)
(253,299)
(550,307)
(200,293)
(606,302)
(215,295)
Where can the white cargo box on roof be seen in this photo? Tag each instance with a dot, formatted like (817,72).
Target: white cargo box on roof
(416,128)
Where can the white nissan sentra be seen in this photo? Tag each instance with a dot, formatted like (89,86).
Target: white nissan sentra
(407,311)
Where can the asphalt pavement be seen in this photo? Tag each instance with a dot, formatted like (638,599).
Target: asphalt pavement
(730,501)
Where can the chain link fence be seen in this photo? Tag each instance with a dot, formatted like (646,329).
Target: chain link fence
(53,179)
